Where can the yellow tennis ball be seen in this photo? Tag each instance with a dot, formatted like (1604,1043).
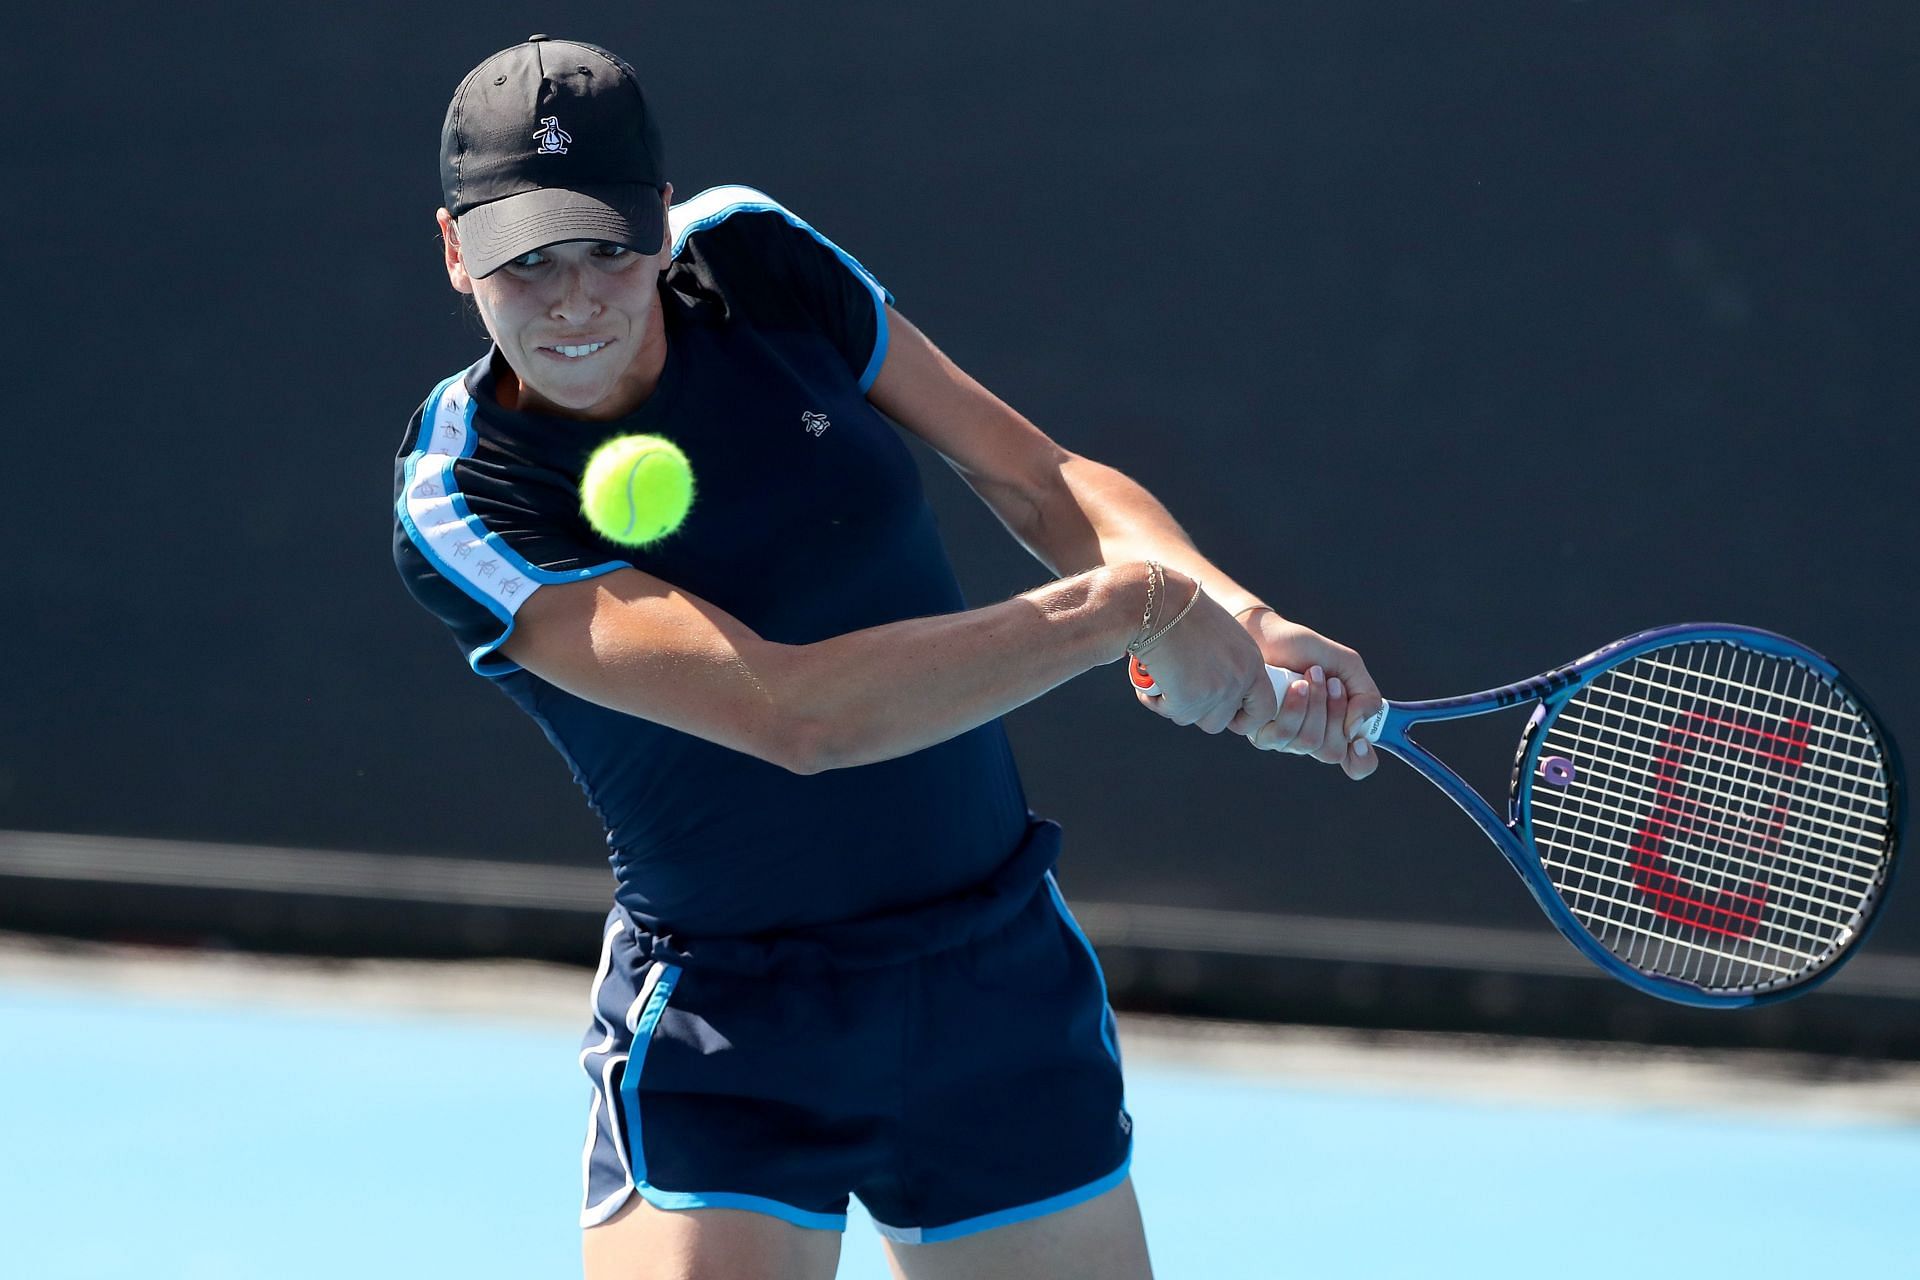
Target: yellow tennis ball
(636,489)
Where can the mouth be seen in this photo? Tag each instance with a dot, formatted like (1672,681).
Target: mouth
(575,351)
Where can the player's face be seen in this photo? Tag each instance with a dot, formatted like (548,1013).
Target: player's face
(579,322)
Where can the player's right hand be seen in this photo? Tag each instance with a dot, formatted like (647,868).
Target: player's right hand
(1207,671)
(1323,711)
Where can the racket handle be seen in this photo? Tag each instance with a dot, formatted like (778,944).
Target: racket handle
(1282,681)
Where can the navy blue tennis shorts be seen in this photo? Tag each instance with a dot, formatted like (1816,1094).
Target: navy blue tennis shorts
(952,1091)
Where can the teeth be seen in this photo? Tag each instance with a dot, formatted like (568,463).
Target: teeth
(574,353)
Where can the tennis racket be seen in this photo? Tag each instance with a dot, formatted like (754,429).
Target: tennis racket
(1708,812)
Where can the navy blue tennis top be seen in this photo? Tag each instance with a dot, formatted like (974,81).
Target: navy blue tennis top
(809,522)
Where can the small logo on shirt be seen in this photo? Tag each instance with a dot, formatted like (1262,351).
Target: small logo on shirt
(815,423)
(552,138)
(1126,1123)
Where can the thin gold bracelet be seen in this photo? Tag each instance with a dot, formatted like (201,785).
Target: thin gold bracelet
(1155,638)
(1156,594)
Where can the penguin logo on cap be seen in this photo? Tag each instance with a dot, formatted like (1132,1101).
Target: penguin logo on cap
(552,138)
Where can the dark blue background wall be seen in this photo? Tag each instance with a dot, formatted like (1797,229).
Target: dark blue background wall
(1474,335)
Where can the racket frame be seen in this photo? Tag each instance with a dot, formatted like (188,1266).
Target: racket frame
(1513,835)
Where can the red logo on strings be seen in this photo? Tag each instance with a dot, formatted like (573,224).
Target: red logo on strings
(1693,745)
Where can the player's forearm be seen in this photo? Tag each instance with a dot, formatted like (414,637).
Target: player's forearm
(891,690)
(1097,515)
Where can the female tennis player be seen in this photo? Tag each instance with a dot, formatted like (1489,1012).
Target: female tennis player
(838,963)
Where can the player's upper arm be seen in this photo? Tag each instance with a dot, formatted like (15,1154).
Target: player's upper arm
(498,552)
(631,642)
(1013,465)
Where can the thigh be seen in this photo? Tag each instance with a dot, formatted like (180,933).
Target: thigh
(644,1243)
(1099,1239)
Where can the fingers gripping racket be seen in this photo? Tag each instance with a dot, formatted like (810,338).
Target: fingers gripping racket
(1708,812)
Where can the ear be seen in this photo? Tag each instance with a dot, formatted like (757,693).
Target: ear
(450,242)
(666,224)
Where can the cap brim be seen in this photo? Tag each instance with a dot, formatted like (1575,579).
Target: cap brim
(495,233)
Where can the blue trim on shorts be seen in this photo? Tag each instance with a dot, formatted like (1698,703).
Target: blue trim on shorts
(636,1059)
(1106,1004)
(1007,1217)
(1067,1199)
(676,1200)
(630,1106)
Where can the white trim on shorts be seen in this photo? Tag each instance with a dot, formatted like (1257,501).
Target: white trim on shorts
(605,1096)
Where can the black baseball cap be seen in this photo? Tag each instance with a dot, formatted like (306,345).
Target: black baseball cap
(550,140)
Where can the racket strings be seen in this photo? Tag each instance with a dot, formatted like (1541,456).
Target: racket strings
(1850,730)
(1714,814)
(1812,896)
(1832,786)
(1660,866)
(1812,932)
(1660,883)
(1840,829)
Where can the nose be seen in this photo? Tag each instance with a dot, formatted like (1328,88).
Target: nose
(575,303)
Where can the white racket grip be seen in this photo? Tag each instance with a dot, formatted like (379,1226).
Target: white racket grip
(1282,681)
(1369,728)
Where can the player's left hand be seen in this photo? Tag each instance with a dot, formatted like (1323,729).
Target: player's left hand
(1322,712)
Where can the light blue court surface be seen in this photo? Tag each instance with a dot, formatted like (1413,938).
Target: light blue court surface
(170,1140)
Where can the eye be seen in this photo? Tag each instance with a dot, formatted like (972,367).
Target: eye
(610,251)
(528,260)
